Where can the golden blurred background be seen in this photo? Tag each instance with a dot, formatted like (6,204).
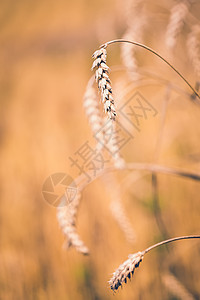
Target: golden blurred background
(45,55)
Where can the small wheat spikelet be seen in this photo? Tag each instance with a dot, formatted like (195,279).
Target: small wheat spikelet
(128,56)
(193,45)
(103,80)
(92,110)
(178,14)
(67,219)
(125,270)
(134,31)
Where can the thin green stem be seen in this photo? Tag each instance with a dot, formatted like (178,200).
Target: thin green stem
(172,240)
(154,52)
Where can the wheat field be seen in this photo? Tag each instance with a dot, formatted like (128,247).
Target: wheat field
(46,57)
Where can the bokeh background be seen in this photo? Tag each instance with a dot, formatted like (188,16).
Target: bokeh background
(45,56)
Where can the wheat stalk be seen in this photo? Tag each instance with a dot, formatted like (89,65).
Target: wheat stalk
(155,53)
(177,17)
(126,270)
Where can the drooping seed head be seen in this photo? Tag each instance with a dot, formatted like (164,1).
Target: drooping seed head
(126,270)
(103,81)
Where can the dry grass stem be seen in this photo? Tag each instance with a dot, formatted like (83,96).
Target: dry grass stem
(176,22)
(103,80)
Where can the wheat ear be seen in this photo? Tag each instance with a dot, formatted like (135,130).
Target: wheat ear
(177,17)
(92,110)
(193,45)
(118,160)
(128,53)
(134,31)
(126,270)
(103,80)
(67,220)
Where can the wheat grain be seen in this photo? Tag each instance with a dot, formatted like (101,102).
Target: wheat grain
(103,80)
(177,18)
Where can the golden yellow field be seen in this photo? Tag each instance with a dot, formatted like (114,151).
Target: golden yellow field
(45,56)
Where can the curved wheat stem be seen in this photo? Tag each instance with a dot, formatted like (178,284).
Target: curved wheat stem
(67,214)
(155,53)
(177,17)
(126,270)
